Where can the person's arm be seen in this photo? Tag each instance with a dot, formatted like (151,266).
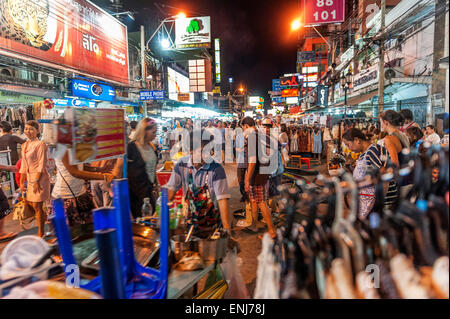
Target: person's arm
(118,168)
(18,139)
(9,168)
(23,170)
(390,146)
(23,179)
(75,172)
(174,183)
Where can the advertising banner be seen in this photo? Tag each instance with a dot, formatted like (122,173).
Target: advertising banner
(255,100)
(292,100)
(97,134)
(322,95)
(151,95)
(278,99)
(217,59)
(94,91)
(289,81)
(74,35)
(14,97)
(178,83)
(183,97)
(191,33)
(200,77)
(289,92)
(306,56)
(365,78)
(276,85)
(74,102)
(323,11)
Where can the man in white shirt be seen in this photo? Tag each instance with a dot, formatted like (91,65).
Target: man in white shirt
(432,137)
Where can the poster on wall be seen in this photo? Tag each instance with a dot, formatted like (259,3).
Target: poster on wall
(72,35)
(96,134)
(178,83)
(191,33)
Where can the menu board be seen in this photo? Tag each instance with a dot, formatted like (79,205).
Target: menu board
(97,134)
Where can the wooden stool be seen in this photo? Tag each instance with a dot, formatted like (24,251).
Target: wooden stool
(295,162)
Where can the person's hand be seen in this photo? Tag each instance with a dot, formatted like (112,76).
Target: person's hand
(22,188)
(36,187)
(247,186)
(108,167)
(232,242)
(108,177)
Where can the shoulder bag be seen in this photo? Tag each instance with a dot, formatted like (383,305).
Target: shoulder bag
(84,202)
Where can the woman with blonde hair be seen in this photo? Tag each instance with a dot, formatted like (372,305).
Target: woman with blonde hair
(142,158)
(34,171)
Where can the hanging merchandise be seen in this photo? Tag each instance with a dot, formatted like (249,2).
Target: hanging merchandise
(326,250)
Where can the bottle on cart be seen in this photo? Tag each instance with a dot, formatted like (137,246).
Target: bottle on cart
(180,215)
(173,222)
(146,208)
(158,207)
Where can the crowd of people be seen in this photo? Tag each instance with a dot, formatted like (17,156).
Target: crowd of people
(373,144)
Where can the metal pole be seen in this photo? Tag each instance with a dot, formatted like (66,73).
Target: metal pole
(322,37)
(143,73)
(381,62)
(345,101)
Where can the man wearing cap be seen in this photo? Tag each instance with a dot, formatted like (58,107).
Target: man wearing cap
(205,187)
(257,177)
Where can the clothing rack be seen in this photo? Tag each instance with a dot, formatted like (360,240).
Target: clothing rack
(325,254)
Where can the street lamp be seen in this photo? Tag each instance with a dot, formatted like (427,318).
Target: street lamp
(165,43)
(295,25)
(345,82)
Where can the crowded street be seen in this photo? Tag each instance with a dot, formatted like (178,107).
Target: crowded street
(144,154)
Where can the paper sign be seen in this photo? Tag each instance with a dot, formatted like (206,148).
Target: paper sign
(97,134)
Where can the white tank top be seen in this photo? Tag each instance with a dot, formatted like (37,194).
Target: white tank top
(61,190)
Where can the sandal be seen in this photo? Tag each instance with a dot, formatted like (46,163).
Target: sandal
(8,237)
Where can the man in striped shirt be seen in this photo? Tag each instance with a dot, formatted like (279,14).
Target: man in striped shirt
(372,156)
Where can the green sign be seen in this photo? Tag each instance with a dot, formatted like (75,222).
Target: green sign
(14,97)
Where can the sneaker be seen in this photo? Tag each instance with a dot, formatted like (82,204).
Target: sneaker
(242,223)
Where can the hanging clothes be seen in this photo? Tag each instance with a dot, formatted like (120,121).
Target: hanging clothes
(294,143)
(317,142)
(304,141)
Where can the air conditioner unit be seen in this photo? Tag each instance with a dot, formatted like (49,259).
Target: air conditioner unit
(7,72)
(46,78)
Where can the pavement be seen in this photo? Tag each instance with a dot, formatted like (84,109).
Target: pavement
(250,244)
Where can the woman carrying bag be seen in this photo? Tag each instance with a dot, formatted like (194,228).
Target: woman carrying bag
(70,186)
(142,158)
(34,171)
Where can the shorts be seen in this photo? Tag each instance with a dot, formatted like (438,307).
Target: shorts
(258,193)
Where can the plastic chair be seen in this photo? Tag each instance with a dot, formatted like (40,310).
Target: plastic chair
(307,161)
(140,282)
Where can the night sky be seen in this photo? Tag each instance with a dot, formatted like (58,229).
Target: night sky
(256,42)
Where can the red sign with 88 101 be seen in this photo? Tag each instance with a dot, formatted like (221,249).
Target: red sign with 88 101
(323,11)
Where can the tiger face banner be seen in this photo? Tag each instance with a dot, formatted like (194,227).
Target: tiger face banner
(73,35)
